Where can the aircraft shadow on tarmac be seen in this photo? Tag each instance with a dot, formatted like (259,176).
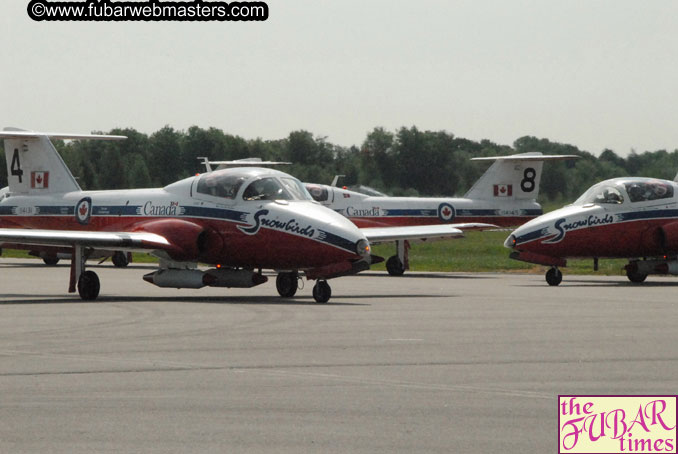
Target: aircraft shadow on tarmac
(423,274)
(622,282)
(153,266)
(67,266)
(275,300)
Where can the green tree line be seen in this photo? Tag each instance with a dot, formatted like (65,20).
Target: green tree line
(405,162)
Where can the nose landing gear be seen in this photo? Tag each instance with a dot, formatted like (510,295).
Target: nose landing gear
(554,276)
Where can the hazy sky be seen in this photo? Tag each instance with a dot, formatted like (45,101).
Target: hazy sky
(595,74)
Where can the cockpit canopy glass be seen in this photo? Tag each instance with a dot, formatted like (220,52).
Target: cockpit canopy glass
(601,193)
(296,188)
(319,193)
(222,185)
(227,185)
(266,189)
(641,191)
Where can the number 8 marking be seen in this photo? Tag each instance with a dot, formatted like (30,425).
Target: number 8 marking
(527,185)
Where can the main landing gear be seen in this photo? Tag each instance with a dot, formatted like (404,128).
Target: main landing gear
(554,276)
(635,276)
(287,284)
(397,264)
(50,260)
(87,281)
(120,259)
(88,285)
(394,266)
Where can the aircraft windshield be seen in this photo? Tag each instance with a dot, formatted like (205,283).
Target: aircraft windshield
(605,193)
(218,184)
(266,189)
(641,191)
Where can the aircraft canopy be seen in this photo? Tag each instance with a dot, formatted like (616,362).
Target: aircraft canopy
(229,184)
(618,191)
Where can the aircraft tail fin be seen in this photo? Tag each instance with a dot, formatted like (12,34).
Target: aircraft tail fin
(515,177)
(33,164)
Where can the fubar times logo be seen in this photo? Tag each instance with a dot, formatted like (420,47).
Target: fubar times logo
(617,424)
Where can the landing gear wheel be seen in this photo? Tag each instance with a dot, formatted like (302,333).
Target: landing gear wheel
(88,285)
(50,260)
(286,284)
(635,276)
(394,266)
(322,292)
(119,259)
(554,276)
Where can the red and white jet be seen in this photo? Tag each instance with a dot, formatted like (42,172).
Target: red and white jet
(634,218)
(505,195)
(239,220)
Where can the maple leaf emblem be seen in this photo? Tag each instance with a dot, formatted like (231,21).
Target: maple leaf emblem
(83,209)
(503,189)
(446,212)
(39,179)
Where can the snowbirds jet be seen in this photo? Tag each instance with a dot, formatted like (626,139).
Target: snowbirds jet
(634,218)
(505,195)
(239,220)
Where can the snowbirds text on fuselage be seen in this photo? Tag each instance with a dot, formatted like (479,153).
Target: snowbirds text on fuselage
(504,196)
(630,217)
(239,220)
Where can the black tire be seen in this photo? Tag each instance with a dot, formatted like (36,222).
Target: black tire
(119,259)
(50,260)
(635,276)
(286,284)
(554,276)
(322,292)
(394,266)
(88,285)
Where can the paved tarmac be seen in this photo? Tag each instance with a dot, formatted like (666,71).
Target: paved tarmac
(430,363)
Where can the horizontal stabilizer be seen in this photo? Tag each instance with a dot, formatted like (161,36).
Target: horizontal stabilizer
(533,156)
(246,162)
(13,133)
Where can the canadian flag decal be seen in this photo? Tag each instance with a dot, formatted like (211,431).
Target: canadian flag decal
(503,190)
(39,180)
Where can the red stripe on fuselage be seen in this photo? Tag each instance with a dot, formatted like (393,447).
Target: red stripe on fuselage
(268,248)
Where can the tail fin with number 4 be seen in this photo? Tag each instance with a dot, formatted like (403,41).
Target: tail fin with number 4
(33,164)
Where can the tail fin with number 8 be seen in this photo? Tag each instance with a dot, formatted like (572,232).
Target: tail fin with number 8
(515,177)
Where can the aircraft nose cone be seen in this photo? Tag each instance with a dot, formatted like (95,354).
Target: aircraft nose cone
(510,241)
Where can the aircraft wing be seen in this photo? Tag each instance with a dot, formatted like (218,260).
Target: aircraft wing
(420,232)
(102,240)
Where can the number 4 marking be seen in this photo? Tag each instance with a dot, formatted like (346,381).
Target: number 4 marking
(16,165)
